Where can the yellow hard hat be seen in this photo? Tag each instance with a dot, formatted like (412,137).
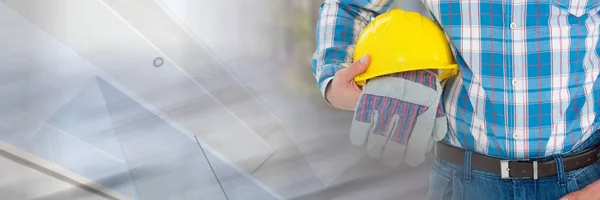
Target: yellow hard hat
(399,41)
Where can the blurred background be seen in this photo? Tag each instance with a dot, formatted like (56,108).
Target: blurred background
(176,99)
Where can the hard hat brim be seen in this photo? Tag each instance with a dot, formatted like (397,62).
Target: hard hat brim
(448,71)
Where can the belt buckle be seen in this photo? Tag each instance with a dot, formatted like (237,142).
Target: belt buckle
(505,169)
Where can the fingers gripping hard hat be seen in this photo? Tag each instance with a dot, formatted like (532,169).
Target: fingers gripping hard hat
(400,41)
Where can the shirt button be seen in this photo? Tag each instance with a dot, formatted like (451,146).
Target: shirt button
(516,135)
(515,82)
(513,25)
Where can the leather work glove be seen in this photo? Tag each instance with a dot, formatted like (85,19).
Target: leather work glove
(399,116)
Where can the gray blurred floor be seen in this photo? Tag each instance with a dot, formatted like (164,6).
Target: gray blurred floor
(32,184)
(78,88)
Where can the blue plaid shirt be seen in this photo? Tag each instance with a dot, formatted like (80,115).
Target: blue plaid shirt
(528,83)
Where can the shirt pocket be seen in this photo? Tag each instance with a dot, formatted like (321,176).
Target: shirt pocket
(576,8)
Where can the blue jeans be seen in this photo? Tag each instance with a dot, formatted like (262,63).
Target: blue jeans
(452,182)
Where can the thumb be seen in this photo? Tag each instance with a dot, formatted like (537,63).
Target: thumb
(355,68)
(572,196)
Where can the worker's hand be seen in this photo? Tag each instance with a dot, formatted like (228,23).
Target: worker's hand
(591,192)
(343,92)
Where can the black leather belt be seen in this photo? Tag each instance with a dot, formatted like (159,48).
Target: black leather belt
(511,169)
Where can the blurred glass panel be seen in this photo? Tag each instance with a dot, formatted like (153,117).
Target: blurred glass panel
(78,87)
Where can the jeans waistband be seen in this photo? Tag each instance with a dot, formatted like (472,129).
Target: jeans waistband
(560,169)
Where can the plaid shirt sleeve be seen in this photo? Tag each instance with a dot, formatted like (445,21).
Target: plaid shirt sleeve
(339,24)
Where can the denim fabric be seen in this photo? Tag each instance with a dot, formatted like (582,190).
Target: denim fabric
(452,182)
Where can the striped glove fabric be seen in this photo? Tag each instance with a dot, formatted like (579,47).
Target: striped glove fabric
(394,116)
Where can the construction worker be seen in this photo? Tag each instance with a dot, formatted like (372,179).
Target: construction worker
(399,114)
(520,110)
